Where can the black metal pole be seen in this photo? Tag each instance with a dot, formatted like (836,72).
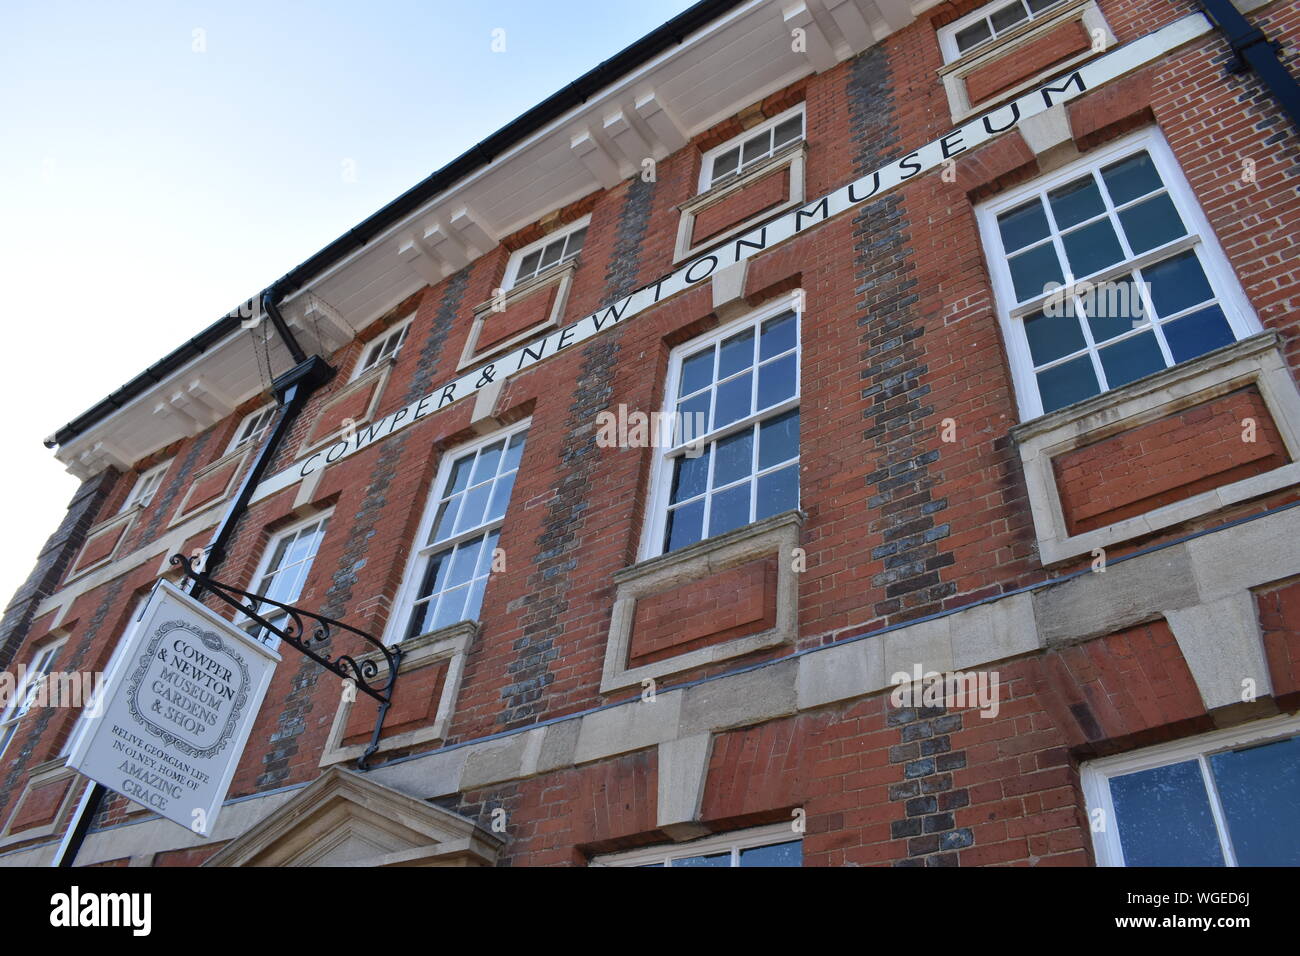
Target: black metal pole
(76,835)
(292,389)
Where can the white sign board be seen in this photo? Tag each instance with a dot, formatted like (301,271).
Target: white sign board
(169,727)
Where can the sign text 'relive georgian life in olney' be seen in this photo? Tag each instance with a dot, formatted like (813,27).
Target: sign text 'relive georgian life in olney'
(969,135)
(171,723)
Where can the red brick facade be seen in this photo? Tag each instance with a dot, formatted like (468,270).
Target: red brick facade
(914,495)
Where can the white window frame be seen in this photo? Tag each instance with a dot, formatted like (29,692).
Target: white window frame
(948,32)
(17,707)
(1095,778)
(264,564)
(420,550)
(706,162)
(517,257)
(735,842)
(652,543)
(239,439)
(146,487)
(1223,280)
(368,360)
(114,661)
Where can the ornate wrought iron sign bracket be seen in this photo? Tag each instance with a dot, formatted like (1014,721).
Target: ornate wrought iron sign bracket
(364,675)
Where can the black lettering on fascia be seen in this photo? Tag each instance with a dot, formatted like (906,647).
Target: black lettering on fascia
(751,244)
(1076,78)
(397,417)
(303,472)
(341,448)
(948,150)
(448,395)
(420,409)
(822,208)
(909,163)
(658,285)
(366,434)
(875,187)
(615,310)
(1015,118)
(713,264)
(565,335)
(526,353)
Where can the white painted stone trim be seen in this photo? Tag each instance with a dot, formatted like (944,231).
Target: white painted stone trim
(1255,360)
(792,156)
(777,536)
(559,275)
(954,74)
(450,644)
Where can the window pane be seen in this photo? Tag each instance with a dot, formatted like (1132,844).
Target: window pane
(1051,337)
(713,859)
(1164,817)
(685,525)
(451,608)
(1198,333)
(500,498)
(735,458)
(1130,178)
(573,245)
(551,254)
(687,421)
(1130,359)
(974,34)
(1065,384)
(1259,788)
(734,400)
(1033,271)
(446,519)
(1092,248)
(1038,6)
(1023,225)
(726,163)
(1177,283)
(729,509)
(472,508)
(756,148)
(463,562)
(488,459)
(737,354)
(690,476)
(1075,202)
(777,492)
(779,854)
(778,336)
(1008,16)
(528,265)
(787,132)
(697,371)
(514,452)
(1114,308)
(778,439)
(459,476)
(1151,223)
(776,381)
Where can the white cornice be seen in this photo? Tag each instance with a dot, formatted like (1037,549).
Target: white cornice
(734,61)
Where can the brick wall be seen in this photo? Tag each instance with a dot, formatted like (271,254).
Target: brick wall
(913,491)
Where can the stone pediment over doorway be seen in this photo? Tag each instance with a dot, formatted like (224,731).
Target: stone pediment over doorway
(344,819)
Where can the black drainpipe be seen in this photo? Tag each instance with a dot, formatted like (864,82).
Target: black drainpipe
(1254,51)
(292,390)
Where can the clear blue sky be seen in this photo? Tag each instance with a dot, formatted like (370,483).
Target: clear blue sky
(161,162)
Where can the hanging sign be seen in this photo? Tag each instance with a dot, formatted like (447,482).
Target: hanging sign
(973,133)
(170,724)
